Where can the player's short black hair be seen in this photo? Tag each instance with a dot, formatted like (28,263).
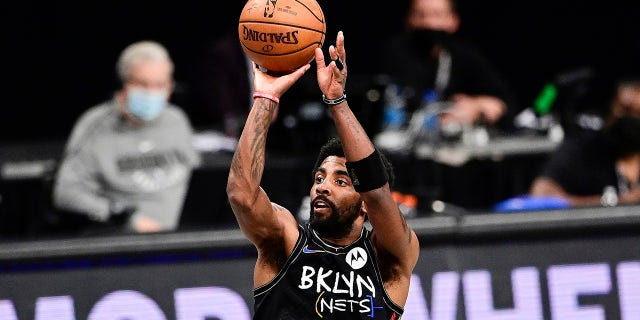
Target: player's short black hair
(333,147)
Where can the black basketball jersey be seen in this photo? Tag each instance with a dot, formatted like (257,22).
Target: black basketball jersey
(324,281)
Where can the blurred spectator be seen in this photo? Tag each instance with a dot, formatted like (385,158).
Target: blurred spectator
(128,161)
(435,65)
(599,167)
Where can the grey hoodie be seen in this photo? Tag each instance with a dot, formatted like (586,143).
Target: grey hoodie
(109,163)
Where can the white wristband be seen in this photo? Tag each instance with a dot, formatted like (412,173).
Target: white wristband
(334,101)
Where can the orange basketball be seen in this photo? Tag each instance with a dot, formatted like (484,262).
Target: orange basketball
(281,35)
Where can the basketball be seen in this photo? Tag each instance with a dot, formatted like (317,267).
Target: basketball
(281,35)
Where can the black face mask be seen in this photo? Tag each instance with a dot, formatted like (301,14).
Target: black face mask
(625,134)
(424,40)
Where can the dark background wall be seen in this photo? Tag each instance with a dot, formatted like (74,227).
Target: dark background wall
(59,56)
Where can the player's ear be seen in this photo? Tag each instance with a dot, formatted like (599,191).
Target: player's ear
(363,211)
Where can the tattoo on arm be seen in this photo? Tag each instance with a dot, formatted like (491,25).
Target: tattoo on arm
(236,163)
(262,119)
(351,122)
(258,141)
(263,114)
(257,149)
(405,226)
(407,231)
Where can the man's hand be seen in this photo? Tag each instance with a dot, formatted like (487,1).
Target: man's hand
(331,79)
(273,84)
(146,225)
(631,197)
(470,110)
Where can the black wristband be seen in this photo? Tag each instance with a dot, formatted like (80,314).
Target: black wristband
(334,101)
(369,173)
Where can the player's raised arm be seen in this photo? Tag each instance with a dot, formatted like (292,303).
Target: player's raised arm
(257,217)
(392,237)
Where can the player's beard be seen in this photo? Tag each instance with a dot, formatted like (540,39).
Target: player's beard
(339,223)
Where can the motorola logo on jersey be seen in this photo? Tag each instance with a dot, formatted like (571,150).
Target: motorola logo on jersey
(356,258)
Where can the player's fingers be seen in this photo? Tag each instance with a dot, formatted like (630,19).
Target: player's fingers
(340,46)
(301,71)
(319,59)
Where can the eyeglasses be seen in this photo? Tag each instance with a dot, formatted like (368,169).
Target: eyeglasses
(150,85)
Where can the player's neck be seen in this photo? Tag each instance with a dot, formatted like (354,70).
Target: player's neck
(352,236)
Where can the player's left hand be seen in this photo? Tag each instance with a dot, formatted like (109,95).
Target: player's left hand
(331,78)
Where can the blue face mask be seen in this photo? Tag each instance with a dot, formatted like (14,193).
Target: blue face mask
(145,105)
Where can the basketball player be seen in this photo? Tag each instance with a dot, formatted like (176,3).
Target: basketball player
(334,267)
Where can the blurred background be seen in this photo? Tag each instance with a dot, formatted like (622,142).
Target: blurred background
(58,60)
(59,56)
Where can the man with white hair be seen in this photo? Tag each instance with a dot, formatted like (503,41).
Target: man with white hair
(128,160)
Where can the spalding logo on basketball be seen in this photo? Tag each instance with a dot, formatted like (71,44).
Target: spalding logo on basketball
(281,35)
